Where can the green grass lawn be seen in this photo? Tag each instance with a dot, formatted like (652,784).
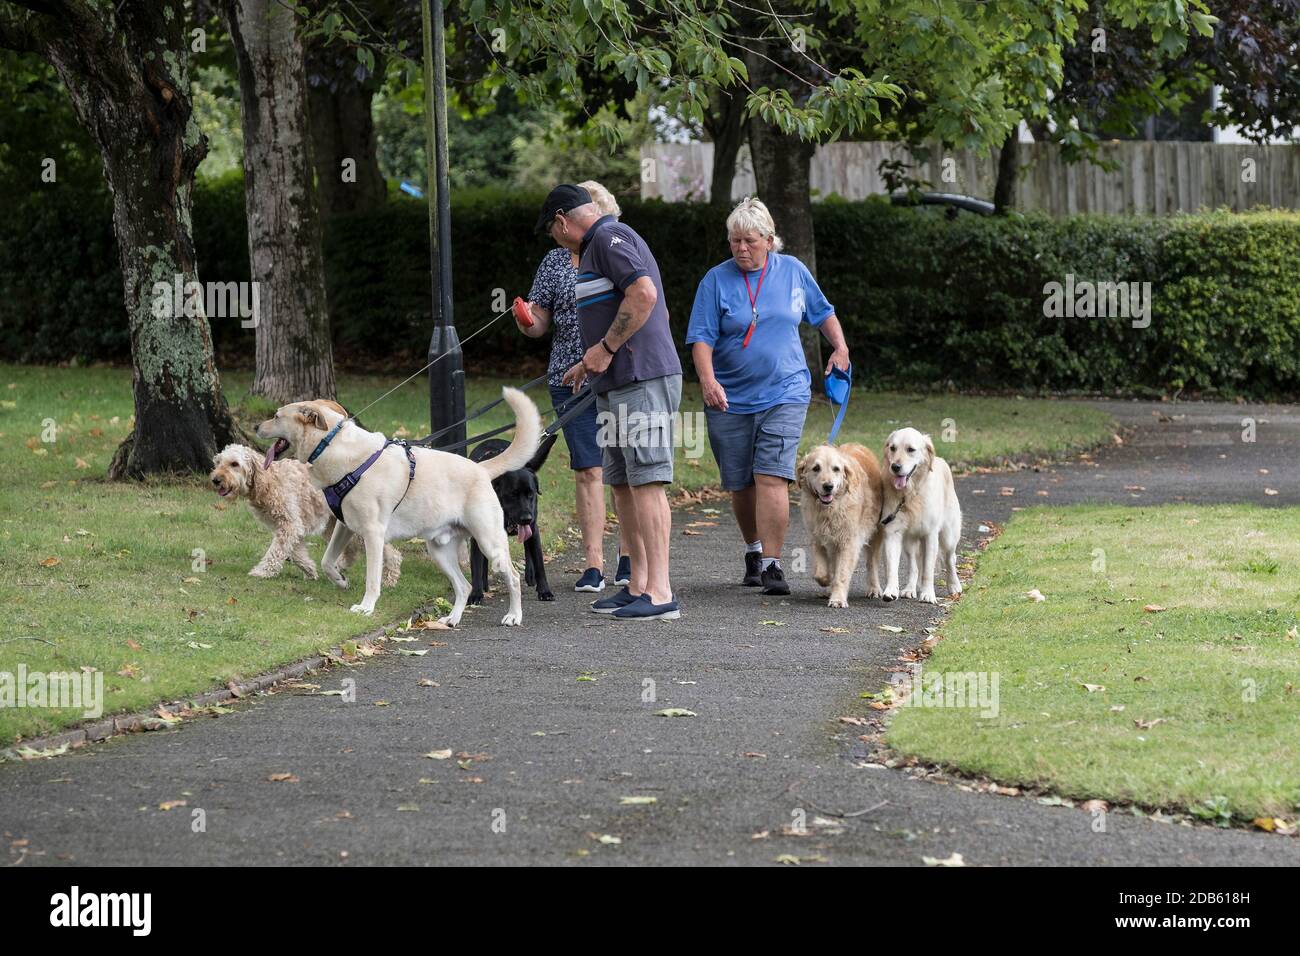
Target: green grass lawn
(1219,668)
(131,594)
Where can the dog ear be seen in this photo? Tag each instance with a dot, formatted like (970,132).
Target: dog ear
(543,450)
(311,415)
(929,451)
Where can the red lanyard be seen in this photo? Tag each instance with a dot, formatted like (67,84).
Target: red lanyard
(753,299)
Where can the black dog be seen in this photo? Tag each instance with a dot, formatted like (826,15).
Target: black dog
(517,491)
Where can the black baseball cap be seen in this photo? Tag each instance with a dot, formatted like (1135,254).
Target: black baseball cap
(562,198)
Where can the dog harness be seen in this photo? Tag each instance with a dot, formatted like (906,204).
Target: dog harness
(335,493)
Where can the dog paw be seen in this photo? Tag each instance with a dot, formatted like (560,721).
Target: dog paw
(475,597)
(909,593)
(340,580)
(824,580)
(261,572)
(390,580)
(512,620)
(837,602)
(547,595)
(889,594)
(362,609)
(873,594)
(927,597)
(451,620)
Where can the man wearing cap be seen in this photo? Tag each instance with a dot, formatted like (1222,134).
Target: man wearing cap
(633,367)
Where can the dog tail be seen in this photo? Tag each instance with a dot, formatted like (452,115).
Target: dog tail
(528,434)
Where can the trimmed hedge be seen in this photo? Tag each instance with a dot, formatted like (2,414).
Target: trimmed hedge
(926,301)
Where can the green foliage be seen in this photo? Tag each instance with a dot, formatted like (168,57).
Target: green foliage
(926,301)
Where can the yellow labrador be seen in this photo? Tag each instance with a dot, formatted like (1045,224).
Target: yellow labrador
(840,504)
(920,512)
(449,497)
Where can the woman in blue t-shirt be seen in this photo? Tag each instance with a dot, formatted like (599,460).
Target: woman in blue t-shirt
(744,337)
(551,301)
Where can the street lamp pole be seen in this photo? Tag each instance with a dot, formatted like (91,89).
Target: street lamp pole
(447,377)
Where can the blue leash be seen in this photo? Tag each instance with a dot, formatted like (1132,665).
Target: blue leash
(837,387)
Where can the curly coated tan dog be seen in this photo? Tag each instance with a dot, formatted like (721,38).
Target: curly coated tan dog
(840,503)
(283,499)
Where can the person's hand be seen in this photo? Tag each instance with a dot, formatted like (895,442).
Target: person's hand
(839,359)
(715,396)
(575,377)
(596,359)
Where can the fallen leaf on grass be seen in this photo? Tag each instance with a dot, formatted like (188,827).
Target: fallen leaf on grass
(49,562)
(1154,608)
(135,647)
(1091,688)
(1148,724)
(1035,595)
(430,624)
(129,670)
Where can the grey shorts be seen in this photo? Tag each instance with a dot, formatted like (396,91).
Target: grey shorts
(634,428)
(766,443)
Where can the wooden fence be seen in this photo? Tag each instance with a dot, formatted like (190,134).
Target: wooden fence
(1153,178)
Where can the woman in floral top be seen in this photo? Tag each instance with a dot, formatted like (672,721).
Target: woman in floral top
(553,306)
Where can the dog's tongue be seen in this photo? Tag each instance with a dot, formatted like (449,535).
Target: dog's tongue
(270,454)
(525,532)
(900,482)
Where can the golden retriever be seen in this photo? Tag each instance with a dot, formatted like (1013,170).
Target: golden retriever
(921,513)
(450,496)
(840,503)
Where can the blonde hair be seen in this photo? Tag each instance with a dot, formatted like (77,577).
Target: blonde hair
(752,215)
(603,198)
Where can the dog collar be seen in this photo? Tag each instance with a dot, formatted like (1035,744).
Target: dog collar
(325,442)
(901,501)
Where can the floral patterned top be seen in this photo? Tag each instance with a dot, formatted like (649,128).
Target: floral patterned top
(553,288)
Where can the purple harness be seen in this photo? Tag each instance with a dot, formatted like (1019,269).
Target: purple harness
(335,493)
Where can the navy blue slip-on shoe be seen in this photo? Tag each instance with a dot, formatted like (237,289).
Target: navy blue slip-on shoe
(592,580)
(643,610)
(615,601)
(623,575)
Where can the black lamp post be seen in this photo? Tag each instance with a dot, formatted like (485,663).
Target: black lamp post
(447,377)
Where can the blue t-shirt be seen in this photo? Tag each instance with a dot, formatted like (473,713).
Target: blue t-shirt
(772,370)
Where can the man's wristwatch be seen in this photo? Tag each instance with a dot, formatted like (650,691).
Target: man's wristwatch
(605,345)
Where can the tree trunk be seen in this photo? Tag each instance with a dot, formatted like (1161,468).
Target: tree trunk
(293,355)
(1004,192)
(127,73)
(342,130)
(782,165)
(727,130)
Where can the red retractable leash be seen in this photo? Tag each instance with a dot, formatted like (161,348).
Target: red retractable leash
(753,300)
(523,314)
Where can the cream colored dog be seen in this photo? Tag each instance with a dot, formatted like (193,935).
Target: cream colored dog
(449,497)
(840,504)
(921,513)
(283,499)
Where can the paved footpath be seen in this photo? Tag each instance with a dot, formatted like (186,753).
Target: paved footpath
(557,755)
